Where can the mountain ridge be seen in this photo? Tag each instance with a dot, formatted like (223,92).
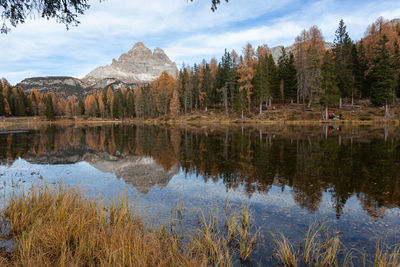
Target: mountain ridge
(139,65)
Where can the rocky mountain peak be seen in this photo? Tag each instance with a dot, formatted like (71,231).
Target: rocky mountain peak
(138,65)
(160,54)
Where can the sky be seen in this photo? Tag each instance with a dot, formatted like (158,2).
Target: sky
(186,31)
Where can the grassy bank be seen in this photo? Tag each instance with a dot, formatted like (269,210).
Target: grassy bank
(288,114)
(62,228)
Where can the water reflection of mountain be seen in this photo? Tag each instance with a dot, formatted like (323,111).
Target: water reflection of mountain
(142,172)
(344,162)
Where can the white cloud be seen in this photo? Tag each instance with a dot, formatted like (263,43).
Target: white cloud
(188,31)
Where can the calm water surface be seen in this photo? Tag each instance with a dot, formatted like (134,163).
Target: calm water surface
(291,177)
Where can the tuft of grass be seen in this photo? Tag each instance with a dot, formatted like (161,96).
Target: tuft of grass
(179,205)
(284,252)
(319,248)
(208,244)
(247,237)
(386,256)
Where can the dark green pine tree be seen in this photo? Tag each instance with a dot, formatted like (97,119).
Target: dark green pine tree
(206,86)
(196,90)
(343,61)
(396,62)
(49,109)
(240,101)
(24,104)
(81,108)
(359,69)
(130,104)
(383,76)
(117,105)
(266,80)
(365,86)
(226,80)
(330,90)
(287,75)
(145,106)
(273,77)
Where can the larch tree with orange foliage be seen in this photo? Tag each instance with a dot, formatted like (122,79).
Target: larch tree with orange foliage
(91,106)
(163,87)
(175,105)
(246,73)
(309,50)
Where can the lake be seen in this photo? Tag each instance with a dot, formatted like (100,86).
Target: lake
(347,177)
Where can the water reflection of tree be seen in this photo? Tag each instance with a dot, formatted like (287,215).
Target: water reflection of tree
(309,164)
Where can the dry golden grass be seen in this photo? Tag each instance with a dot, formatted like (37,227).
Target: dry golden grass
(285,252)
(58,227)
(61,228)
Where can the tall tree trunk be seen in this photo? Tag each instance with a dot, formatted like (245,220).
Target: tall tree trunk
(260,108)
(340,102)
(326,112)
(248,104)
(242,114)
(270,101)
(282,87)
(352,97)
(387,113)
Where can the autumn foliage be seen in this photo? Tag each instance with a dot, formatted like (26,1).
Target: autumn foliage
(311,73)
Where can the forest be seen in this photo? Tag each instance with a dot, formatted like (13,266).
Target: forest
(313,73)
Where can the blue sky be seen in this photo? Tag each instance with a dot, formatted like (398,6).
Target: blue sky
(187,31)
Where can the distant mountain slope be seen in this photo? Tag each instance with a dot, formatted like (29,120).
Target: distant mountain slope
(59,84)
(138,66)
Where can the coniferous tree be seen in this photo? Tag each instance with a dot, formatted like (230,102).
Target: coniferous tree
(49,111)
(206,86)
(273,78)
(196,89)
(313,75)
(241,101)
(81,108)
(361,69)
(343,60)
(175,104)
(287,75)
(226,79)
(130,104)
(329,86)
(117,105)
(246,73)
(396,61)
(261,83)
(383,76)
(358,72)
(309,50)
(265,81)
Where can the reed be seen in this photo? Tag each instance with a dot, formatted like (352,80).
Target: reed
(386,256)
(284,252)
(60,227)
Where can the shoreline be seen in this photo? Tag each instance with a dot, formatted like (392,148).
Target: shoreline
(33,122)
